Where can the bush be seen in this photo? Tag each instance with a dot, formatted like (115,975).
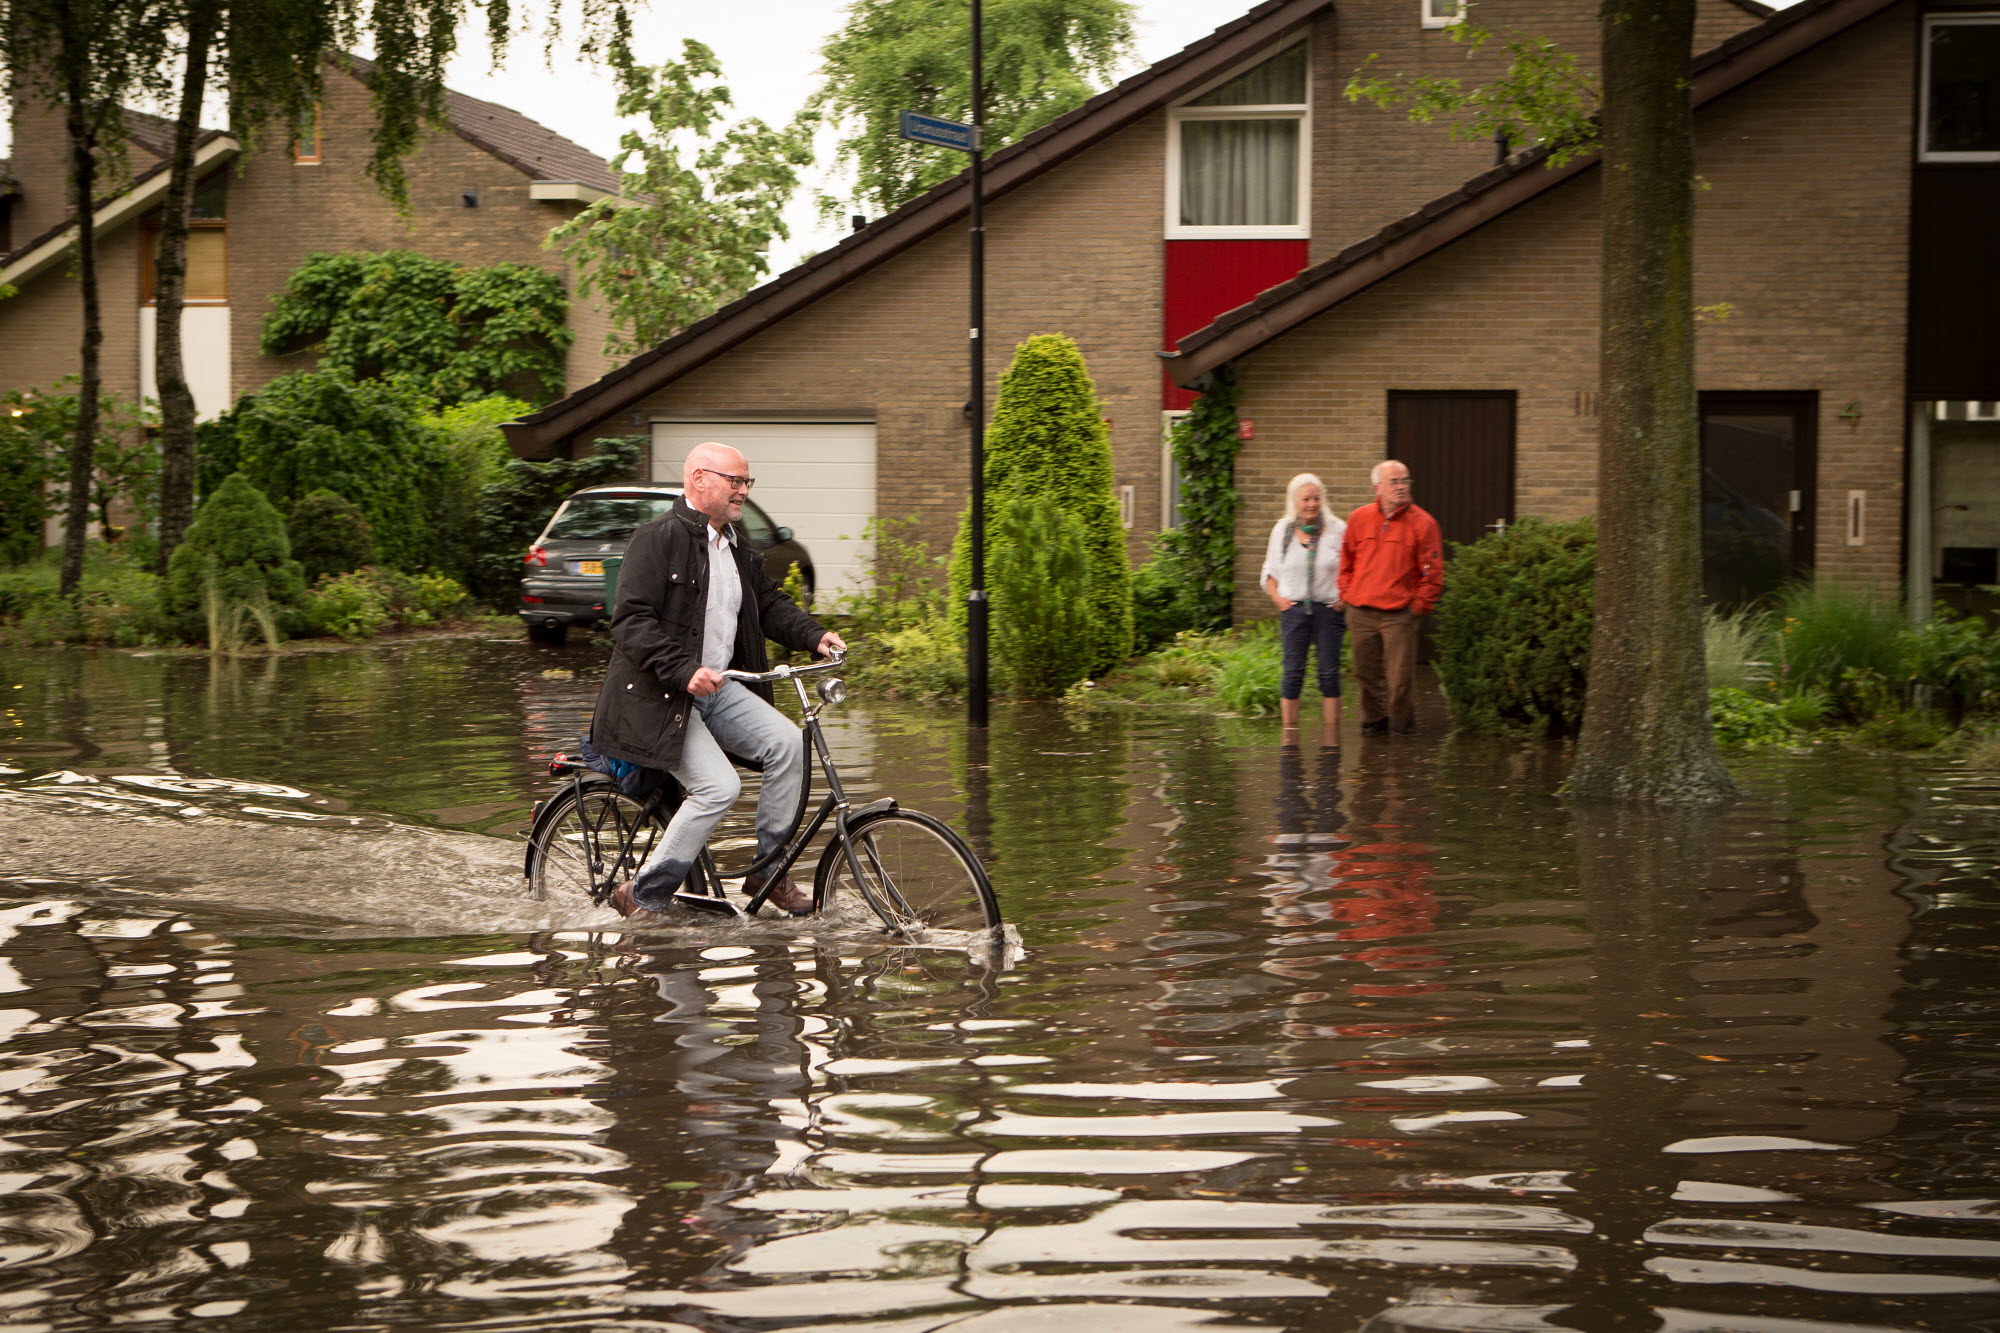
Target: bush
(1041,628)
(1844,642)
(234,567)
(1737,648)
(453,332)
(1048,444)
(363,603)
(901,587)
(1957,659)
(119,601)
(514,508)
(329,535)
(1205,444)
(1166,596)
(923,661)
(1513,636)
(37,428)
(363,440)
(1247,671)
(476,456)
(1751,721)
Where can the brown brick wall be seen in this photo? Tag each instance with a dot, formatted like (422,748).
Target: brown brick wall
(41,329)
(1372,166)
(1801,227)
(1077,251)
(281,211)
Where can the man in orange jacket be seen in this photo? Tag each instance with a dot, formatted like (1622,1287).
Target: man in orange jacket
(1391,572)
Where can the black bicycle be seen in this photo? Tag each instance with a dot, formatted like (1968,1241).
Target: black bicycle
(913,871)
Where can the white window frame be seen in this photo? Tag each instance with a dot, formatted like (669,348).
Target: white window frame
(1298,111)
(1169,482)
(1432,19)
(1932,22)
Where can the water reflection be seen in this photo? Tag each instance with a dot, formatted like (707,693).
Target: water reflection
(1376,1038)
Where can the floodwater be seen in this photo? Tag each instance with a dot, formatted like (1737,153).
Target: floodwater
(1381,1038)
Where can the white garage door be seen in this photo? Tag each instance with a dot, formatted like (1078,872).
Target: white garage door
(817,478)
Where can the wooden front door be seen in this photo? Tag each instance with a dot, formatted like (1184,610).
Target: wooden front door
(1459,448)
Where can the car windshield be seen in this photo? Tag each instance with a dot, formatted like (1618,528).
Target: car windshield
(586,518)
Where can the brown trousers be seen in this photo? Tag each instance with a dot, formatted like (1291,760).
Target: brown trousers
(1385,664)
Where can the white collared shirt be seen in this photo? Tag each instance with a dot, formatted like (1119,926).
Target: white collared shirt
(725,599)
(1286,562)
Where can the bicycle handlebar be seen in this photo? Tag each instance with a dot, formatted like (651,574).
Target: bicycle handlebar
(784,671)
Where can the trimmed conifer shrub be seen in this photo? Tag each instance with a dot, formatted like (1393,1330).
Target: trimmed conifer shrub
(1041,627)
(1048,445)
(233,569)
(329,535)
(1513,628)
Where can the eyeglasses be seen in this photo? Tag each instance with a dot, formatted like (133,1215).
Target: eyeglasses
(736,483)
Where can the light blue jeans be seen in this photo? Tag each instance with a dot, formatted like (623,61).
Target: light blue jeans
(730,721)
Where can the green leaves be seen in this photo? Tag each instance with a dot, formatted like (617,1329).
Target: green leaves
(1513,638)
(1203,548)
(456,333)
(698,206)
(1048,444)
(1041,58)
(1544,97)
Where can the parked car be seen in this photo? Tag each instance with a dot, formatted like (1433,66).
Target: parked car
(564,580)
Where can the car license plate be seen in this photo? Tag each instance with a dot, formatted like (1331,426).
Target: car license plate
(590,567)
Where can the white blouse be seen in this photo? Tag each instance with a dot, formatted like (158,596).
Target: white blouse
(1286,562)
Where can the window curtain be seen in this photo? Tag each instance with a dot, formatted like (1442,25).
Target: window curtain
(1239,173)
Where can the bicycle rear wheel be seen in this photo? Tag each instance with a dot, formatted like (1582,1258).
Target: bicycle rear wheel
(914,872)
(590,844)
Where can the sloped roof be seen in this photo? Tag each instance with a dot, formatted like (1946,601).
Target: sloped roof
(1786,33)
(157,169)
(528,146)
(1155,86)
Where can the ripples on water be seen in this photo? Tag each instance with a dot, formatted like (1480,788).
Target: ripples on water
(1383,1040)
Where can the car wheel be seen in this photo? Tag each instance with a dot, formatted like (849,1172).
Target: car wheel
(552,634)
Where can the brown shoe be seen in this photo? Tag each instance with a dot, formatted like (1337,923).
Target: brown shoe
(621,902)
(787,897)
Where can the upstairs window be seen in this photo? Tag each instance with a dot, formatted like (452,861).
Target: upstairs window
(305,147)
(1236,164)
(1961,107)
(1441,13)
(207,246)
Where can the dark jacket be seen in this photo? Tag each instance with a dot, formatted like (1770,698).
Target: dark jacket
(656,630)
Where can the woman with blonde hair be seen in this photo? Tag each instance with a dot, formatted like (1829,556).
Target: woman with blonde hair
(1301,576)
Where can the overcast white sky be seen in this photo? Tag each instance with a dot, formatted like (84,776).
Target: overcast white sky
(769,50)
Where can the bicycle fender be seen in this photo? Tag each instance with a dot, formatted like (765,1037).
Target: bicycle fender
(881,807)
(546,811)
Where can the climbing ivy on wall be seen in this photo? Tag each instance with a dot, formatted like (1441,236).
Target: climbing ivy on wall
(1205,445)
(456,333)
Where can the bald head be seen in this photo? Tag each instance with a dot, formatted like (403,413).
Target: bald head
(705,478)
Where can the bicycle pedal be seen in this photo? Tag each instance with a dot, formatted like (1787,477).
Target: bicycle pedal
(705,902)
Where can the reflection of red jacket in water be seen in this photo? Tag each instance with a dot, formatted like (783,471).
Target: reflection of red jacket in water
(1388,899)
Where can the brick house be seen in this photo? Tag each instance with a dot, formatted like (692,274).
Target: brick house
(487,188)
(1380,289)
(1118,224)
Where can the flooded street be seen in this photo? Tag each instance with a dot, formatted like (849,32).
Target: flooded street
(1377,1038)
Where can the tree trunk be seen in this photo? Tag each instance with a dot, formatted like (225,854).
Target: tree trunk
(83,190)
(1646,731)
(170,290)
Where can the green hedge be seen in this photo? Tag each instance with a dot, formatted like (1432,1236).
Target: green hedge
(1513,628)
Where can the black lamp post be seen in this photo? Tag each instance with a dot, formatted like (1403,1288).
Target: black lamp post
(976,688)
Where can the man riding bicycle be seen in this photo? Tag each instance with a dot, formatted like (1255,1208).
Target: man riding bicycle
(694,601)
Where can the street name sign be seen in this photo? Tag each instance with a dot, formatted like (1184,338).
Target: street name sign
(935,130)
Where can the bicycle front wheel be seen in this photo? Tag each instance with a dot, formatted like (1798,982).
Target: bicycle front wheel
(590,844)
(913,871)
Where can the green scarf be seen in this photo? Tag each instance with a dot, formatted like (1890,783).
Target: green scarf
(1308,535)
